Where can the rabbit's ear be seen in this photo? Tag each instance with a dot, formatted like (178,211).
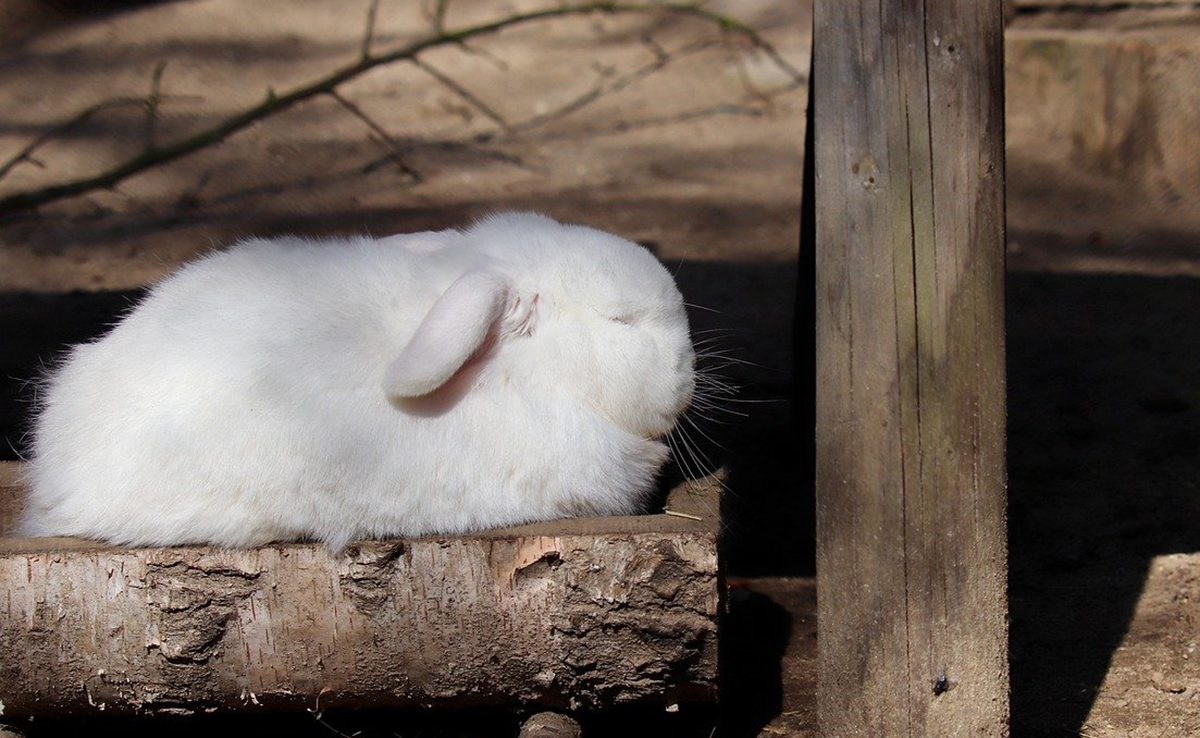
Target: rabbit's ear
(455,327)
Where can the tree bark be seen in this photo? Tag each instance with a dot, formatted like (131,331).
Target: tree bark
(579,613)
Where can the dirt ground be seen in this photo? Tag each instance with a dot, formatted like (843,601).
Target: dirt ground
(692,145)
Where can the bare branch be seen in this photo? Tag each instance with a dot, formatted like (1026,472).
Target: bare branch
(276,103)
(369,32)
(26,153)
(474,146)
(439,15)
(710,111)
(470,98)
(798,78)
(654,46)
(391,148)
(152,103)
(608,83)
(738,58)
(486,55)
(474,143)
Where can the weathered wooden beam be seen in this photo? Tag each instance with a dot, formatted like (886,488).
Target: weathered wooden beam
(585,613)
(911,553)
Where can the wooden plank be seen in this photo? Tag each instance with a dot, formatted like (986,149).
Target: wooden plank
(583,613)
(910,368)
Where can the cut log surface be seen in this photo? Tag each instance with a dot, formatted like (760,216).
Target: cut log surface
(580,613)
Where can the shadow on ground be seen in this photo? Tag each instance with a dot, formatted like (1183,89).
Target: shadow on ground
(1104,467)
(26,19)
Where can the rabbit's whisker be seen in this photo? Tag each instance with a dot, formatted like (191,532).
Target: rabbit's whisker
(694,306)
(699,430)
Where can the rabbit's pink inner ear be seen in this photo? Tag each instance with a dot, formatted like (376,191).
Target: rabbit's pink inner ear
(455,327)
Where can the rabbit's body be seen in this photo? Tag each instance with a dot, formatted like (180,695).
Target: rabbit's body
(404,386)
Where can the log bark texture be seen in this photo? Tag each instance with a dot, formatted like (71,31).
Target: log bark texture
(909,115)
(581,613)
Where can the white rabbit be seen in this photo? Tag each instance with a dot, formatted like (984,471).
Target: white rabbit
(520,370)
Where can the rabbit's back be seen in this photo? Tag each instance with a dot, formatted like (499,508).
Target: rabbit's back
(234,375)
(249,398)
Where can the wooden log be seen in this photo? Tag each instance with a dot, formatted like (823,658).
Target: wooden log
(911,557)
(579,613)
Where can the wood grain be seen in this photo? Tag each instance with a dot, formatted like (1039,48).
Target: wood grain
(910,368)
(582,613)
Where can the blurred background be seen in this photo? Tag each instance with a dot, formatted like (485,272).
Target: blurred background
(687,137)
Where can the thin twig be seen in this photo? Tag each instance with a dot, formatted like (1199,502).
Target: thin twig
(475,141)
(655,47)
(439,15)
(470,98)
(391,147)
(152,103)
(614,84)
(26,153)
(486,55)
(748,86)
(709,111)
(474,146)
(676,514)
(275,103)
(369,32)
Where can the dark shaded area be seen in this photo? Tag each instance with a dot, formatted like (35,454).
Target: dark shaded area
(753,640)
(768,507)
(1104,473)
(36,329)
(26,19)
(690,721)
(768,657)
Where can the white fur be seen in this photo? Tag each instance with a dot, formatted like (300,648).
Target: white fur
(520,370)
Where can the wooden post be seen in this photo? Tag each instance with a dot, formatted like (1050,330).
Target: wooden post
(911,552)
